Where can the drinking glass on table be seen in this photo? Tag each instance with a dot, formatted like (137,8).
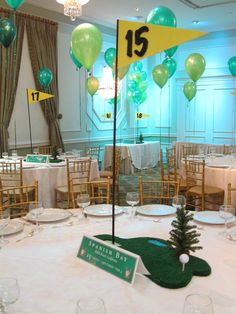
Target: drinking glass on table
(5,155)
(83,200)
(178,201)
(9,292)
(36,212)
(132,199)
(4,221)
(227,213)
(198,304)
(14,154)
(90,305)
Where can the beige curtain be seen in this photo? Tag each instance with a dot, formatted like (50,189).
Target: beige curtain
(10,60)
(42,40)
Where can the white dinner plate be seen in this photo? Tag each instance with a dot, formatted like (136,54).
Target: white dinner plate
(217,166)
(11,228)
(50,215)
(102,210)
(57,164)
(209,217)
(156,210)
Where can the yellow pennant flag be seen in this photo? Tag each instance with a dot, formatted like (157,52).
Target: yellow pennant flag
(35,96)
(234,93)
(141,115)
(108,115)
(137,41)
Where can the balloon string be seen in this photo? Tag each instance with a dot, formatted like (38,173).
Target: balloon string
(160,115)
(169,115)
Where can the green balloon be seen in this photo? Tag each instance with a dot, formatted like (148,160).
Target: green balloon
(170,64)
(110,57)
(132,86)
(171,51)
(190,90)
(195,66)
(73,58)
(14,4)
(161,16)
(142,86)
(160,75)
(45,77)
(232,65)
(86,44)
(92,85)
(7,32)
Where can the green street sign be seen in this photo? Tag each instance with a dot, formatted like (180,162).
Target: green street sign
(37,158)
(116,261)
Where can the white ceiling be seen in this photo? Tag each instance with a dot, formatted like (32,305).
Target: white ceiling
(213,15)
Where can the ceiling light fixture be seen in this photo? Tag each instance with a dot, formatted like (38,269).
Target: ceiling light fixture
(73,8)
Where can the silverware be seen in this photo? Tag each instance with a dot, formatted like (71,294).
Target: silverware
(29,235)
(71,223)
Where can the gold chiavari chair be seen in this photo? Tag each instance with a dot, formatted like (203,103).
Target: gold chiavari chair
(172,171)
(158,192)
(79,171)
(45,149)
(200,196)
(18,199)
(99,191)
(92,152)
(190,149)
(164,177)
(229,193)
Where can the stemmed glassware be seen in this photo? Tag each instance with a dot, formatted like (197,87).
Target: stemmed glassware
(5,155)
(178,201)
(90,305)
(4,221)
(198,304)
(9,292)
(14,155)
(35,213)
(132,199)
(83,200)
(227,213)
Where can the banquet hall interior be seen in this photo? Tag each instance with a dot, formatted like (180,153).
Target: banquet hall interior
(142,141)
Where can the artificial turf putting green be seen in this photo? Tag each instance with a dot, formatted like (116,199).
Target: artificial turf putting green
(161,261)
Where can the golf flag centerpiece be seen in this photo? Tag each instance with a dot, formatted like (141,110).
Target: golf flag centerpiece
(36,96)
(137,41)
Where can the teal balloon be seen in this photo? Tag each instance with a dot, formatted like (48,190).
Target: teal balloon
(132,86)
(110,57)
(143,75)
(15,4)
(137,66)
(170,64)
(7,32)
(161,16)
(45,77)
(232,65)
(195,66)
(138,97)
(160,75)
(86,44)
(171,51)
(137,77)
(73,58)
(190,89)
(142,86)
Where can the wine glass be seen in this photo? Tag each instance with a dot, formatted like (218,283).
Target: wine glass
(9,291)
(4,221)
(227,213)
(198,304)
(5,155)
(14,154)
(35,213)
(178,201)
(132,199)
(35,151)
(83,200)
(90,305)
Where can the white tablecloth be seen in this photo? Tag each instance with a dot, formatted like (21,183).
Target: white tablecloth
(52,278)
(133,156)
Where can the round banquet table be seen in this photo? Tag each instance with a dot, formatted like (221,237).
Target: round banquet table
(52,278)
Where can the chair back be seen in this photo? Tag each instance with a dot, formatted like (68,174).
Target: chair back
(195,173)
(45,150)
(157,192)
(171,164)
(162,166)
(229,193)
(11,174)
(92,152)
(78,170)
(190,149)
(18,199)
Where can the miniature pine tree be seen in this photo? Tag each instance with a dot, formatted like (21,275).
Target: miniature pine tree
(184,236)
(141,138)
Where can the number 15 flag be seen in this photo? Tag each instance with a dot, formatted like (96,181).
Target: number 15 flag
(137,41)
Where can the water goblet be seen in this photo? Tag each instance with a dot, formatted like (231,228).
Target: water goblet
(4,221)
(35,151)
(90,305)
(36,212)
(83,200)
(14,154)
(9,292)
(5,155)
(179,201)
(132,199)
(227,213)
(198,304)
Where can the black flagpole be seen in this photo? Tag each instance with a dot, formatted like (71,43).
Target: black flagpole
(31,146)
(114,138)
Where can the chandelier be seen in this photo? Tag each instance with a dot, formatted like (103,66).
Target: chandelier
(107,85)
(73,8)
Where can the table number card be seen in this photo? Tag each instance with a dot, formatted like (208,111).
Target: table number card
(37,158)
(118,262)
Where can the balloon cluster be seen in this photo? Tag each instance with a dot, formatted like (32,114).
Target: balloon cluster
(195,66)
(165,17)
(137,84)
(110,58)
(232,65)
